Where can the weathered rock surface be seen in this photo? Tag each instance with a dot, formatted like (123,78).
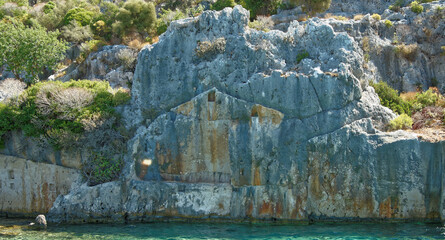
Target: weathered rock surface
(406,55)
(29,188)
(232,126)
(10,88)
(351,7)
(18,145)
(112,63)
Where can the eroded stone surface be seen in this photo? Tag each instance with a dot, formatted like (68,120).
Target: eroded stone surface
(29,188)
(249,132)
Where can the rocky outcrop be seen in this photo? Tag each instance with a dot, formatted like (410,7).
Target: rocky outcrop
(403,49)
(239,124)
(114,64)
(351,7)
(10,88)
(408,54)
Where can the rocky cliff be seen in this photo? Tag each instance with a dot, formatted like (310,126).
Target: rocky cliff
(401,48)
(238,124)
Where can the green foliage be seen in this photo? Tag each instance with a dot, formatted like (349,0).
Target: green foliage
(376,17)
(166,17)
(388,23)
(76,33)
(302,56)
(82,16)
(261,7)
(401,122)
(100,169)
(135,15)
(397,5)
(443,50)
(262,23)
(390,98)
(425,99)
(312,7)
(49,7)
(60,111)
(416,7)
(88,47)
(29,51)
(221,4)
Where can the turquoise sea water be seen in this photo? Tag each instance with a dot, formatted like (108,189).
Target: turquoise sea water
(228,231)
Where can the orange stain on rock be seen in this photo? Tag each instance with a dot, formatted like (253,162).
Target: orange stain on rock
(266,208)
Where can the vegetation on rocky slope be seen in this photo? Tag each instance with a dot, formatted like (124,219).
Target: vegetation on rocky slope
(422,109)
(74,114)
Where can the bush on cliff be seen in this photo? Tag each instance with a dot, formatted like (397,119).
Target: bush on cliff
(60,111)
(312,7)
(221,4)
(401,122)
(416,7)
(390,98)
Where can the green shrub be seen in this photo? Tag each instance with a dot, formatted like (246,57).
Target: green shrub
(311,7)
(135,15)
(27,52)
(100,169)
(261,7)
(49,7)
(302,56)
(390,98)
(443,50)
(262,23)
(60,111)
(76,33)
(166,17)
(397,5)
(82,16)
(221,4)
(388,23)
(426,99)
(401,122)
(376,17)
(416,7)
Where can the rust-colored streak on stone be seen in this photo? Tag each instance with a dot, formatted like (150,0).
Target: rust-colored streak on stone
(266,114)
(185,109)
(278,209)
(219,148)
(266,209)
(257,177)
(388,208)
(46,198)
(143,172)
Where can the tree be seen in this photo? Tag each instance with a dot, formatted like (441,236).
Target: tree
(135,15)
(311,7)
(27,52)
(260,7)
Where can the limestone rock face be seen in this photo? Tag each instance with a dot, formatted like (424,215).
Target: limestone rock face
(351,7)
(111,63)
(407,54)
(29,188)
(234,123)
